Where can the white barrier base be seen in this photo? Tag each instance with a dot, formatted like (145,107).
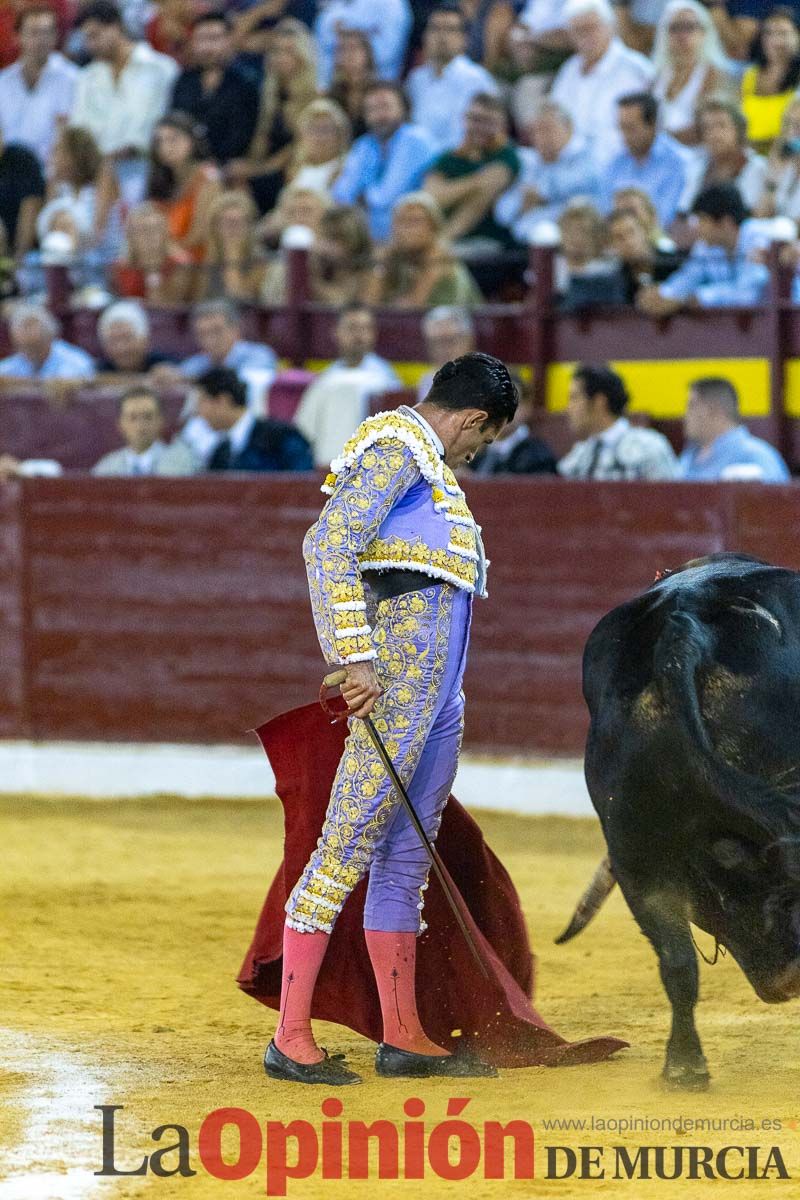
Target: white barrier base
(102,770)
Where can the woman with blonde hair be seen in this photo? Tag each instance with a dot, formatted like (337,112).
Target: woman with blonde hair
(235,262)
(690,66)
(338,261)
(637,201)
(417,269)
(290,84)
(323,139)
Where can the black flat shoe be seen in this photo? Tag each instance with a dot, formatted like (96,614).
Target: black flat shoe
(329,1070)
(390,1060)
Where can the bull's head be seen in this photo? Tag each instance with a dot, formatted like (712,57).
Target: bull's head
(750,899)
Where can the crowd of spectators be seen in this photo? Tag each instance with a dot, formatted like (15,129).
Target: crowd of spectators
(167,154)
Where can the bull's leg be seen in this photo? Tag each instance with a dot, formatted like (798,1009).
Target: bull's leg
(667,928)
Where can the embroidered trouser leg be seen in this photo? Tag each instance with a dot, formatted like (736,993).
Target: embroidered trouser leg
(421,639)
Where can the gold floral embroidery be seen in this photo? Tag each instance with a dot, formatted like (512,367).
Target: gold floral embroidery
(440,564)
(410,639)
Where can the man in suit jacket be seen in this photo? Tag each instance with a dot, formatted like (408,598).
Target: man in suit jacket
(141,423)
(248,443)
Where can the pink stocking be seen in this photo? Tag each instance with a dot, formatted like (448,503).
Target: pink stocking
(302,958)
(394,956)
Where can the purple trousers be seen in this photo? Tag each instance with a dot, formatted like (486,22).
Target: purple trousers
(421,643)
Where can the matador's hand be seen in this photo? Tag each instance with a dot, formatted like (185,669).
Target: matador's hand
(361,688)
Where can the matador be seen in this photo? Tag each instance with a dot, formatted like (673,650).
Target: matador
(393,563)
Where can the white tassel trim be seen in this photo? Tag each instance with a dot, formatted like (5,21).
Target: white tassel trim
(408,564)
(353,631)
(363,657)
(337,883)
(349,605)
(462,551)
(422,450)
(305,927)
(456,519)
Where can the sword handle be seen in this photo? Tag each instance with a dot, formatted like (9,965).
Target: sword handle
(335,678)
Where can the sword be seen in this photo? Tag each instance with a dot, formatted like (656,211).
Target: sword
(333,680)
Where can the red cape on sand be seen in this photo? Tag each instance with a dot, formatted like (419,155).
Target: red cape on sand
(495,1015)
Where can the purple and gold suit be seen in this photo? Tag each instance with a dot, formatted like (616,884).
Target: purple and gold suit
(393,505)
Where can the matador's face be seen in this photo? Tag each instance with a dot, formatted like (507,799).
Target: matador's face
(474,434)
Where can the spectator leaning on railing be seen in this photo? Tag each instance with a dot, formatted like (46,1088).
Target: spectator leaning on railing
(39,353)
(124,334)
(719,271)
(609,446)
(719,446)
(141,422)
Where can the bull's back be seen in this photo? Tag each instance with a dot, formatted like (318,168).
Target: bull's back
(704,662)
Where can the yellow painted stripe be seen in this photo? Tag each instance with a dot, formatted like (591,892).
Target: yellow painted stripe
(791,387)
(661,387)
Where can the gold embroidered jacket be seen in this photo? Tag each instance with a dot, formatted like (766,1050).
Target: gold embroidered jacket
(393,503)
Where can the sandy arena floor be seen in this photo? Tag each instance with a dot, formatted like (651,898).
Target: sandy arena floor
(124,925)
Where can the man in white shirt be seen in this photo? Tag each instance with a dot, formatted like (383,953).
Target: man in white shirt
(141,423)
(590,83)
(609,446)
(335,404)
(122,93)
(441,89)
(37,91)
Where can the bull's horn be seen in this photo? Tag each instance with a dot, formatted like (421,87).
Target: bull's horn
(601,886)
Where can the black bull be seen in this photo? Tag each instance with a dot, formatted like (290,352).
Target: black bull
(693,766)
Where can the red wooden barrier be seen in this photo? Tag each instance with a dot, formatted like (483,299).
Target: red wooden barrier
(177,610)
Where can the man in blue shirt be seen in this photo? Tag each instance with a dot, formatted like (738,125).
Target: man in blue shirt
(651,160)
(40,353)
(217,330)
(386,162)
(719,272)
(719,447)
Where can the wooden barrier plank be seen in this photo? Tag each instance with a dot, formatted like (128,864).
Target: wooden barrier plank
(13,707)
(177,610)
